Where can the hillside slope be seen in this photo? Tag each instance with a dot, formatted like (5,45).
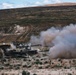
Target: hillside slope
(62,4)
(35,20)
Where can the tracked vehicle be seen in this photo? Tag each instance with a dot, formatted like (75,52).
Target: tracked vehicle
(8,49)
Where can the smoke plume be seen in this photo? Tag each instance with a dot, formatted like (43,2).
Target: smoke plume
(62,42)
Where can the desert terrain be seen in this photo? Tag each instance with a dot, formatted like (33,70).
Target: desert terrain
(35,20)
(18,25)
(38,64)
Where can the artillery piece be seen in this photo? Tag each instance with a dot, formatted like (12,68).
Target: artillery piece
(9,49)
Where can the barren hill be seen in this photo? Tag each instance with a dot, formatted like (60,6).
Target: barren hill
(35,20)
(62,4)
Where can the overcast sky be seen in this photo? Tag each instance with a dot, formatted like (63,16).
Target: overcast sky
(6,4)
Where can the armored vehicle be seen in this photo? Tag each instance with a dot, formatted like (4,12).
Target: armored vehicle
(20,50)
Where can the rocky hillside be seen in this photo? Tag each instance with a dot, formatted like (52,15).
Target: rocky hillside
(34,20)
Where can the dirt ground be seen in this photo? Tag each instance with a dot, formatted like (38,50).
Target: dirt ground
(37,64)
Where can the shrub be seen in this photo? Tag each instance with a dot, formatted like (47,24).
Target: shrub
(7,64)
(17,68)
(66,67)
(1,67)
(25,65)
(38,62)
(24,59)
(45,62)
(4,60)
(47,66)
(28,73)
(28,66)
(25,73)
(40,67)
(69,74)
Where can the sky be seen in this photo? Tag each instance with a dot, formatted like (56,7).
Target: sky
(8,4)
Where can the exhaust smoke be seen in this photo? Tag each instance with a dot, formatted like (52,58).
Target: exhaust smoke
(62,42)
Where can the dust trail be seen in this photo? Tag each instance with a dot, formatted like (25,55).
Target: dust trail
(62,41)
(18,29)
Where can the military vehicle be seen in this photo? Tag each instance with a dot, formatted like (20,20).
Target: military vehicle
(17,50)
